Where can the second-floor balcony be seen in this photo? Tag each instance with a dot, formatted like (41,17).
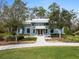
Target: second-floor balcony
(40,27)
(39,24)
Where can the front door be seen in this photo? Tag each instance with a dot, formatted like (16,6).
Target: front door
(40,32)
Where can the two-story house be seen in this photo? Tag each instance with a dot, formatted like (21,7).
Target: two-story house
(38,27)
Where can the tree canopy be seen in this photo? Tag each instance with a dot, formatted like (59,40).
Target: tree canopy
(12,17)
(60,17)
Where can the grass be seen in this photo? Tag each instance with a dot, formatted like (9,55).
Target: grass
(41,53)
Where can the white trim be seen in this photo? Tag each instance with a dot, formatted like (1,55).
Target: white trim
(40,27)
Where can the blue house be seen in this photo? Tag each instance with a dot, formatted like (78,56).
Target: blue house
(38,27)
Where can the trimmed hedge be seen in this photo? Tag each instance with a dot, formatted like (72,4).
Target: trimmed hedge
(28,38)
(10,38)
(7,37)
(20,37)
(54,35)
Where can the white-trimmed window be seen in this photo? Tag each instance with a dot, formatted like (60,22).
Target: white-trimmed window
(52,30)
(28,30)
(33,30)
(46,31)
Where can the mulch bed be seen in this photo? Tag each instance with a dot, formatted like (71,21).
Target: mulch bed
(54,39)
(14,42)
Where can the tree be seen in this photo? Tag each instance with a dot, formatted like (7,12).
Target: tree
(33,12)
(41,12)
(68,17)
(3,15)
(59,18)
(2,2)
(54,16)
(16,15)
(38,12)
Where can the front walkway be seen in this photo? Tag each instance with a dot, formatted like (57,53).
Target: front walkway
(40,42)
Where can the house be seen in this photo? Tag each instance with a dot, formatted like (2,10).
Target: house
(38,27)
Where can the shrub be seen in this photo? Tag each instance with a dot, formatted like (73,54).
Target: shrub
(70,38)
(67,30)
(27,38)
(54,35)
(76,33)
(1,38)
(30,39)
(20,37)
(10,38)
(4,36)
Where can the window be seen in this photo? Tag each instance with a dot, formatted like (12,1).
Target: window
(52,31)
(46,23)
(46,31)
(28,30)
(34,31)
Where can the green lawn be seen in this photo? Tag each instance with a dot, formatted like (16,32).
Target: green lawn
(41,53)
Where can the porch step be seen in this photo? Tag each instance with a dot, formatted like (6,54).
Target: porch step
(40,40)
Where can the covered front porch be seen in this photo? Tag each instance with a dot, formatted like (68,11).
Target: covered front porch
(41,30)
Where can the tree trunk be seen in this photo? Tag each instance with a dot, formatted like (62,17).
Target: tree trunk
(16,39)
(60,34)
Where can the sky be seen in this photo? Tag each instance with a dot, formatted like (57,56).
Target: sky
(67,4)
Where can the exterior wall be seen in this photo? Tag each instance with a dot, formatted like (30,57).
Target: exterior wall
(58,31)
(32,28)
(33,31)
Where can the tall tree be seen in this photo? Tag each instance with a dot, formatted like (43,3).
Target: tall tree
(34,12)
(68,18)
(54,15)
(2,2)
(3,7)
(59,18)
(17,14)
(39,12)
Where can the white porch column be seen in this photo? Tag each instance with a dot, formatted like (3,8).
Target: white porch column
(35,32)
